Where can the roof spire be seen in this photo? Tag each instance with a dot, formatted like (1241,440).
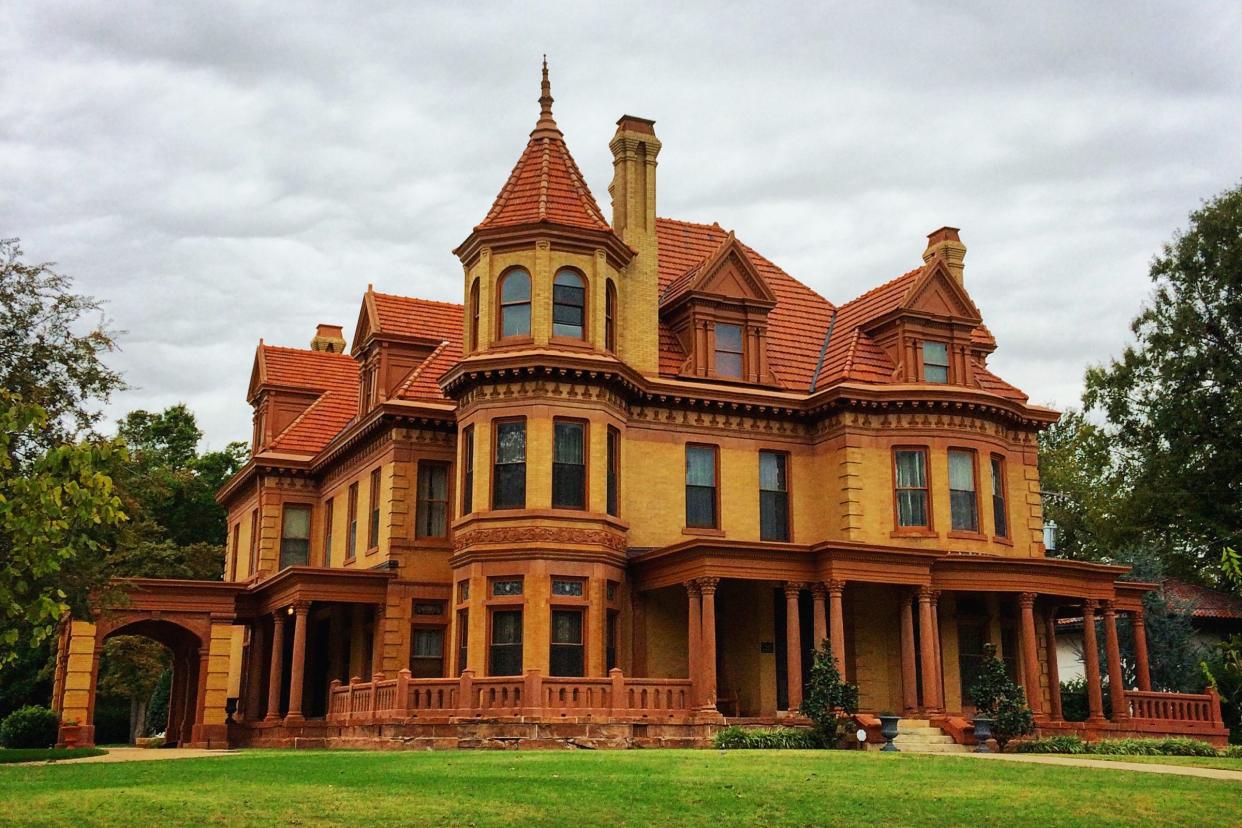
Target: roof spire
(546,126)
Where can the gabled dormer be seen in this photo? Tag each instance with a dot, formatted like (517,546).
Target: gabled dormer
(930,334)
(394,338)
(301,397)
(718,309)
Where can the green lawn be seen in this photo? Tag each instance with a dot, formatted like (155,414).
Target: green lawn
(639,787)
(10,755)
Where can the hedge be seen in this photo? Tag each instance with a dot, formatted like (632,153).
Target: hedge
(1173,746)
(787,738)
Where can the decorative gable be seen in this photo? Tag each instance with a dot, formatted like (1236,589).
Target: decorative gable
(938,293)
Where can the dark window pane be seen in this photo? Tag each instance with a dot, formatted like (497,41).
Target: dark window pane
(912,508)
(467,494)
(295,536)
(965,513)
(568,303)
(999,518)
(511,443)
(508,586)
(509,474)
(935,362)
(566,651)
(614,470)
(911,470)
(432,515)
(515,320)
(506,651)
(962,502)
(729,338)
(773,516)
(567,587)
(701,507)
(516,287)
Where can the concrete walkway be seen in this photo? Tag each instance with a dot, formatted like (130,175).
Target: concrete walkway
(1077,762)
(136,754)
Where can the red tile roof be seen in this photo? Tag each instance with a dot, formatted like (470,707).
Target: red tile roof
(424,318)
(795,326)
(545,186)
(333,376)
(1204,602)
(847,344)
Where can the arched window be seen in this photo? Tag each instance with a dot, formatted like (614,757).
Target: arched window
(610,317)
(568,305)
(515,304)
(474,316)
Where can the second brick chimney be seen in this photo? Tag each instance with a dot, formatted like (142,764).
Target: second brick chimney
(946,241)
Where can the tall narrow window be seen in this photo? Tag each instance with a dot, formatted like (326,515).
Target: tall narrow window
(467,470)
(614,472)
(473,344)
(506,655)
(569,465)
(1000,519)
(728,350)
(427,652)
(351,539)
(295,536)
(463,638)
(509,468)
(515,304)
(911,487)
(773,496)
(568,305)
(327,532)
(374,504)
(432,518)
(254,541)
(610,316)
(963,504)
(566,656)
(701,487)
(935,362)
(236,551)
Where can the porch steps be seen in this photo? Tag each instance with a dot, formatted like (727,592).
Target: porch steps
(918,736)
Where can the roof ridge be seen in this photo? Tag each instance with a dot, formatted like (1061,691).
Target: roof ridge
(879,288)
(309,351)
(417,372)
(305,413)
(419,299)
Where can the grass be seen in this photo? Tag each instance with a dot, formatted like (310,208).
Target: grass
(642,787)
(11,755)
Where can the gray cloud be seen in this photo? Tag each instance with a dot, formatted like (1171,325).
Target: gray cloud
(221,172)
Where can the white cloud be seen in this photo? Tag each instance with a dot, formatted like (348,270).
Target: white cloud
(221,172)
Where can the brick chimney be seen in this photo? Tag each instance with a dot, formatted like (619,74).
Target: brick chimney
(633,189)
(328,338)
(946,241)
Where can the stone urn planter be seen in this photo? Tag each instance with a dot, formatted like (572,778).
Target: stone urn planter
(888,729)
(983,732)
(70,734)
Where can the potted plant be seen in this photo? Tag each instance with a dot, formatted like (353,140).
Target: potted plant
(888,729)
(983,732)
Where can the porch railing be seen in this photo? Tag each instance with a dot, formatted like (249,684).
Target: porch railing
(1190,708)
(508,696)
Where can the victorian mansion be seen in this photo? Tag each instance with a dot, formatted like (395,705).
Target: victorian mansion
(621,493)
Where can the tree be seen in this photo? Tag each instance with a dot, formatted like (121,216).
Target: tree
(998,698)
(51,516)
(131,669)
(830,701)
(1174,399)
(44,358)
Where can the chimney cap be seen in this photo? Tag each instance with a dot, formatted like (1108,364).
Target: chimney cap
(945,233)
(324,329)
(328,338)
(632,123)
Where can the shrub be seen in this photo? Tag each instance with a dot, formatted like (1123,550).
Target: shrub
(830,701)
(1054,744)
(777,738)
(1232,752)
(1074,705)
(998,698)
(29,727)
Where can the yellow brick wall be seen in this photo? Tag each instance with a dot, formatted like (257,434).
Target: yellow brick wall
(219,664)
(667,645)
(873,617)
(75,705)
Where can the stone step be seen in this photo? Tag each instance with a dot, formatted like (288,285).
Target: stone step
(935,748)
(923,739)
(904,723)
(920,731)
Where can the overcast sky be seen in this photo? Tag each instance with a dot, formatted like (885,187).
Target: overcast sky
(222,172)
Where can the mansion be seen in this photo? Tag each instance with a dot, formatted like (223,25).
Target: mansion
(620,495)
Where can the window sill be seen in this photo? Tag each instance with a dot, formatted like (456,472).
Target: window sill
(963,535)
(703,532)
(571,342)
(1002,540)
(913,532)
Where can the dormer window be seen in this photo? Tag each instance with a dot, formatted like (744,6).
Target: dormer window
(728,361)
(515,304)
(474,316)
(568,305)
(935,362)
(610,317)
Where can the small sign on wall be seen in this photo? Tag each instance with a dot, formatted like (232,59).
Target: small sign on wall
(767,647)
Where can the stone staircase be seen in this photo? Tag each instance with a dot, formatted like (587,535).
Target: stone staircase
(918,736)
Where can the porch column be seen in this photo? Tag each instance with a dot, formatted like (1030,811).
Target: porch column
(200,698)
(694,636)
(1091,660)
(254,674)
(297,670)
(1054,669)
(707,588)
(935,608)
(1116,682)
(274,676)
(1030,655)
(793,646)
(927,645)
(1141,664)
(837,624)
(909,676)
(377,639)
(819,595)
